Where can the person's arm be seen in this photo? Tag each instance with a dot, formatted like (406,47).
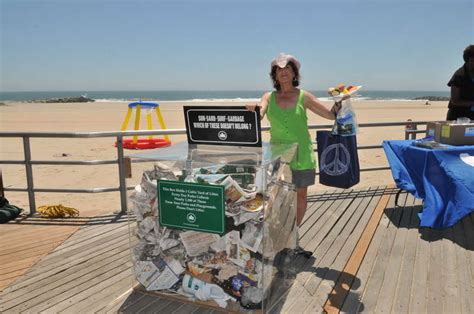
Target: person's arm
(456,98)
(263,104)
(312,103)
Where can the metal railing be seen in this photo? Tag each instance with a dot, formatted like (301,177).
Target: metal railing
(122,188)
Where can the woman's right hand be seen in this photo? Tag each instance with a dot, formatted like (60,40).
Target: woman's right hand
(251,107)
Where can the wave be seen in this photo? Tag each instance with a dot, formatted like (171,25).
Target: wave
(181,101)
(240,100)
(112,100)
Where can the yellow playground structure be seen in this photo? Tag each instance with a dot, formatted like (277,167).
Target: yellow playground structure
(145,143)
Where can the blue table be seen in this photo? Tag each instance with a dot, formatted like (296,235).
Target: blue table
(444,178)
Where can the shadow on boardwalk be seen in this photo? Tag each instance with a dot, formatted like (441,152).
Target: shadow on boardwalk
(461,234)
(70,221)
(343,283)
(286,277)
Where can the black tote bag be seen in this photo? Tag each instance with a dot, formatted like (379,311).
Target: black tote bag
(338,160)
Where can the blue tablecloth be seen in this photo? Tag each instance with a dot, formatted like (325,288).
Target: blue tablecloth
(439,176)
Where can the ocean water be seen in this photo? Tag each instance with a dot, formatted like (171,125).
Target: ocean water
(195,96)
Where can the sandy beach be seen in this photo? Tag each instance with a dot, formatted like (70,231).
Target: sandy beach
(108,116)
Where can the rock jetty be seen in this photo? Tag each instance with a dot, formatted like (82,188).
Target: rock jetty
(64,100)
(433,98)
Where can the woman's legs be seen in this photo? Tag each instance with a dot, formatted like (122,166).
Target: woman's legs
(302,179)
(301,203)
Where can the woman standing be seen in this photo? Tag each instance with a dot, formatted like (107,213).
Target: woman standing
(286,108)
(461,103)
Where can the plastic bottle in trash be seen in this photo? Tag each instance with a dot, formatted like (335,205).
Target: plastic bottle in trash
(202,290)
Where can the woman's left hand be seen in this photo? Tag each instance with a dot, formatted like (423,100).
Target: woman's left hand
(345,97)
(336,107)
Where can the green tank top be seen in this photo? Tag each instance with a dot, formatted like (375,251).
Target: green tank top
(291,126)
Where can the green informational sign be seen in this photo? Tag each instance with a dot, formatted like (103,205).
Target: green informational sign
(191,206)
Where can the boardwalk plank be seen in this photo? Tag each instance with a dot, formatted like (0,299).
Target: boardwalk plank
(314,213)
(318,220)
(468,223)
(420,276)
(88,244)
(57,291)
(18,264)
(24,249)
(91,292)
(13,274)
(319,231)
(50,292)
(203,310)
(466,289)
(376,278)
(79,236)
(33,231)
(169,308)
(298,295)
(357,245)
(90,234)
(37,279)
(47,271)
(28,253)
(32,241)
(146,304)
(185,309)
(327,271)
(354,240)
(100,298)
(405,280)
(29,247)
(353,302)
(451,300)
(313,206)
(125,298)
(293,288)
(390,280)
(296,290)
(62,262)
(436,276)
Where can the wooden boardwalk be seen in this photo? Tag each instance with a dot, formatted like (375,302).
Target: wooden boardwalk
(370,256)
(20,250)
(26,240)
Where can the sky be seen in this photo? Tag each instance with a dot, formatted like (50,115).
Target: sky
(70,45)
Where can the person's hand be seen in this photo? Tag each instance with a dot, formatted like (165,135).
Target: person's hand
(336,107)
(345,97)
(251,107)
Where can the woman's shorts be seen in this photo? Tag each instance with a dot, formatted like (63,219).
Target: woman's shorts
(303,178)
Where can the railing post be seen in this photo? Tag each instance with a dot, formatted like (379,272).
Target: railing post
(29,175)
(123,183)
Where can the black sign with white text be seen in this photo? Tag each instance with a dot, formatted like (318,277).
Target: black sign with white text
(222,125)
